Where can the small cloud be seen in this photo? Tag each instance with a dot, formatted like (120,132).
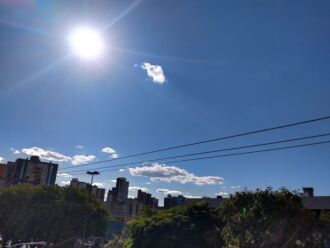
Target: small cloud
(1,158)
(65,182)
(135,65)
(235,187)
(169,192)
(192,196)
(15,151)
(65,175)
(79,147)
(136,188)
(155,72)
(113,180)
(121,170)
(108,149)
(222,193)
(115,155)
(82,159)
(148,183)
(98,184)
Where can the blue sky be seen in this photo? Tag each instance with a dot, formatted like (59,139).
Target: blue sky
(224,67)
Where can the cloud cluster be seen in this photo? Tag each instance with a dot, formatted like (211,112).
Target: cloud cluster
(44,154)
(136,188)
(64,175)
(56,156)
(82,159)
(15,151)
(169,192)
(111,151)
(155,72)
(192,196)
(163,173)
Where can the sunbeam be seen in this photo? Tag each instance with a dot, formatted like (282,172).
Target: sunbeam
(123,14)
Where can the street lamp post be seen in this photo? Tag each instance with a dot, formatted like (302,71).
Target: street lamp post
(92,173)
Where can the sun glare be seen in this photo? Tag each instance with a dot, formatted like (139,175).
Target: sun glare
(87,43)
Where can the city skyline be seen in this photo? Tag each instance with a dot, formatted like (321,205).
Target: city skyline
(213,70)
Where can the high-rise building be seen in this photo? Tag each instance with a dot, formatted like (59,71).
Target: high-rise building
(122,189)
(146,199)
(2,170)
(173,201)
(93,190)
(123,208)
(32,171)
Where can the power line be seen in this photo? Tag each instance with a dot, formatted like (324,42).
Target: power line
(211,140)
(240,153)
(207,152)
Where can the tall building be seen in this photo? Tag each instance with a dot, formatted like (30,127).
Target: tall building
(173,201)
(31,171)
(123,208)
(2,175)
(146,199)
(2,170)
(93,190)
(122,189)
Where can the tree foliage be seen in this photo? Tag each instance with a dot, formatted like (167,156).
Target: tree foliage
(263,218)
(186,226)
(48,213)
(270,219)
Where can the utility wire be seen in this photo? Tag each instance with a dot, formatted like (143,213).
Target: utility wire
(236,154)
(212,140)
(206,152)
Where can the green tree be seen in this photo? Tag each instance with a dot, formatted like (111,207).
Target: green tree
(270,219)
(49,213)
(185,226)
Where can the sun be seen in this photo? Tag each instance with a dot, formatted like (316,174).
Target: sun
(87,43)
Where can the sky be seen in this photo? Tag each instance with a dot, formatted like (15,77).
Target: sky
(171,72)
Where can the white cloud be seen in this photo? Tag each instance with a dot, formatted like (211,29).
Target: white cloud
(15,151)
(169,192)
(108,149)
(56,156)
(235,187)
(65,183)
(163,173)
(155,72)
(44,154)
(1,158)
(136,188)
(113,180)
(64,175)
(222,193)
(121,170)
(115,155)
(82,159)
(192,196)
(148,183)
(98,184)
(79,147)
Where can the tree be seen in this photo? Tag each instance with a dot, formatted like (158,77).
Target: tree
(185,226)
(49,213)
(270,219)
